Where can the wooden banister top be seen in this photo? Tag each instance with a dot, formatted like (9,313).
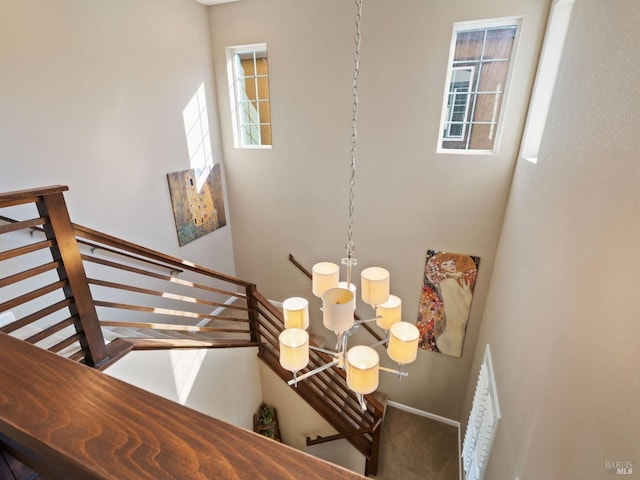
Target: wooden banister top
(90,425)
(25,196)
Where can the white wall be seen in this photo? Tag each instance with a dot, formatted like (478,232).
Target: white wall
(293,198)
(562,312)
(91,96)
(223,383)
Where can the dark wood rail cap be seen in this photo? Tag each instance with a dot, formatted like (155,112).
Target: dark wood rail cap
(33,192)
(20,197)
(89,425)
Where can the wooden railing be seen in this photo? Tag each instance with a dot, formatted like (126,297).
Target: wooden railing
(84,285)
(66,421)
(46,285)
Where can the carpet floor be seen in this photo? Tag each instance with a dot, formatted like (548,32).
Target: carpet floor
(416,447)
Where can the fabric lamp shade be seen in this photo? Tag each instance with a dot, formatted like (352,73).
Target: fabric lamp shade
(337,308)
(353,290)
(363,368)
(390,312)
(374,285)
(296,312)
(294,349)
(324,275)
(403,342)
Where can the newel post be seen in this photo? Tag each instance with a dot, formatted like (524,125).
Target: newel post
(65,249)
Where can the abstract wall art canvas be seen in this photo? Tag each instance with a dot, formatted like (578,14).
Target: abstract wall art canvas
(196,213)
(445,301)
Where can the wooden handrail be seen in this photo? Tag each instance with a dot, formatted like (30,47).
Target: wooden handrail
(318,440)
(13,225)
(173,343)
(327,392)
(31,195)
(96,236)
(69,421)
(167,327)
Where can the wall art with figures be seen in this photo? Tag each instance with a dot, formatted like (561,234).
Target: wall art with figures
(445,301)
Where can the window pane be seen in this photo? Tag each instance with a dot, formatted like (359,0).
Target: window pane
(499,43)
(480,61)
(493,76)
(469,45)
(248,68)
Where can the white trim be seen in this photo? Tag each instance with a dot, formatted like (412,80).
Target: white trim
(550,56)
(422,413)
(275,303)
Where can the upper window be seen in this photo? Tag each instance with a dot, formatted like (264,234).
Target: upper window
(479,66)
(248,71)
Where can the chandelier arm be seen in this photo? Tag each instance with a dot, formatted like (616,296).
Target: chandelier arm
(294,381)
(360,322)
(333,353)
(397,371)
(378,343)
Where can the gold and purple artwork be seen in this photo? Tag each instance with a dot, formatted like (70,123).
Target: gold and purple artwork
(196,211)
(447,292)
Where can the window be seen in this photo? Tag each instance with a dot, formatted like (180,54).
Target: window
(248,71)
(479,67)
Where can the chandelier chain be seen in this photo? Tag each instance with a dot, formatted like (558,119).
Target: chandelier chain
(350,246)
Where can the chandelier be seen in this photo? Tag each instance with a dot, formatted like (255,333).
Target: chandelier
(361,363)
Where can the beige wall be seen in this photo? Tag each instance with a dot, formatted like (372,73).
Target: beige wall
(199,379)
(562,312)
(91,96)
(293,198)
(297,421)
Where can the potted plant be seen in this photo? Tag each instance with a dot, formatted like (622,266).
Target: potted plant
(265,421)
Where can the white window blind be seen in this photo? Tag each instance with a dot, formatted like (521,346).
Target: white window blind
(483,423)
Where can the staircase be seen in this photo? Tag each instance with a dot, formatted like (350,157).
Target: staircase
(97,295)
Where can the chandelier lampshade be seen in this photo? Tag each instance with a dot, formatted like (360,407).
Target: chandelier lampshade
(375,285)
(363,365)
(294,349)
(296,312)
(403,342)
(337,307)
(325,275)
(353,288)
(389,312)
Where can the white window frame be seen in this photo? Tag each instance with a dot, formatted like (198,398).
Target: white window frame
(450,110)
(235,96)
(476,25)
